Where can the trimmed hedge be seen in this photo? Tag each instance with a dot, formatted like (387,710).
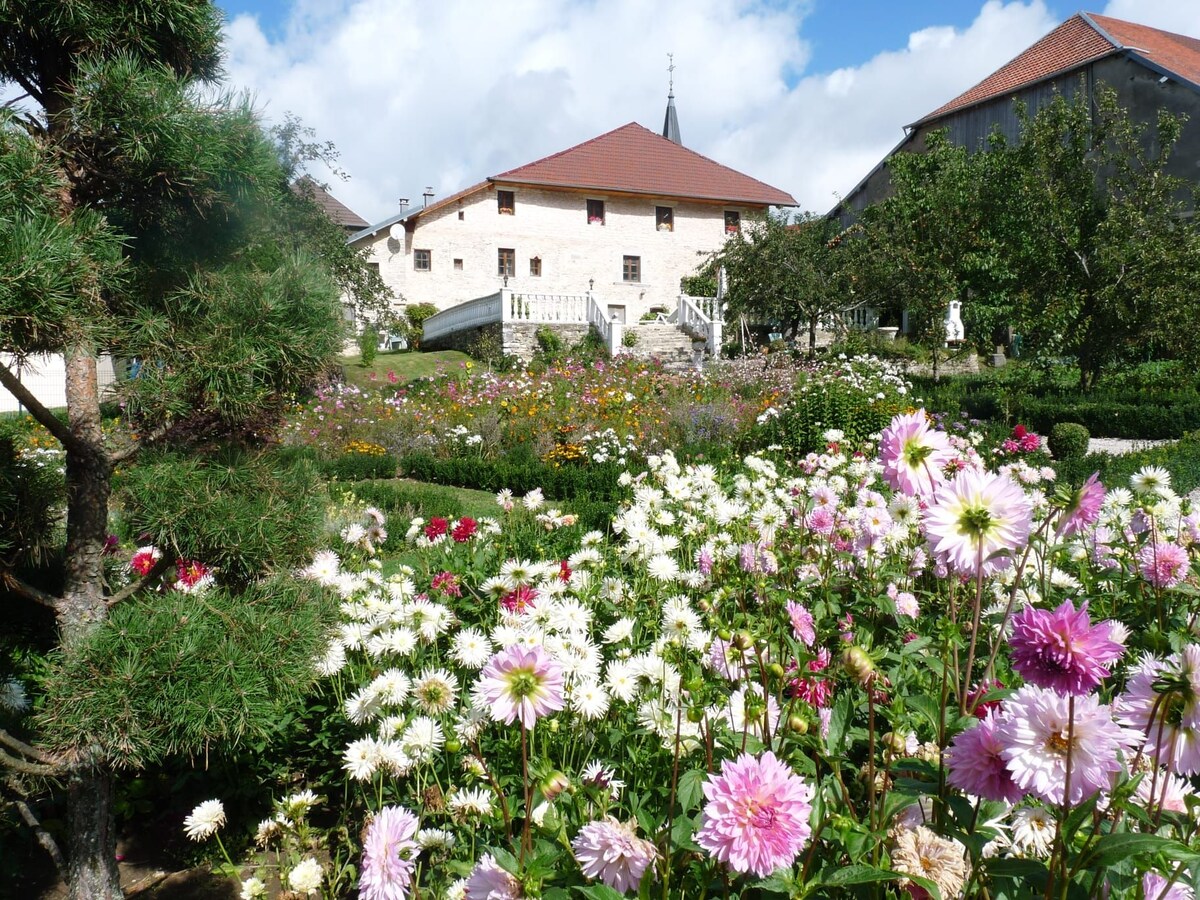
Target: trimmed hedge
(1068,439)
(422,499)
(1107,412)
(593,482)
(1181,459)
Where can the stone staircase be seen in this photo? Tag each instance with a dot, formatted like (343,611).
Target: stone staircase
(663,341)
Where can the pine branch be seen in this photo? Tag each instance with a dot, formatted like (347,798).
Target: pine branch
(156,572)
(19,746)
(23,589)
(46,418)
(45,838)
(19,765)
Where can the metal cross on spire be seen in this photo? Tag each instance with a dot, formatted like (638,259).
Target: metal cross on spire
(671,120)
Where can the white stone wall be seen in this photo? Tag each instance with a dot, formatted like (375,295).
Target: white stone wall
(553,226)
(46,378)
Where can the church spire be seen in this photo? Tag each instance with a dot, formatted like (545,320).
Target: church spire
(671,121)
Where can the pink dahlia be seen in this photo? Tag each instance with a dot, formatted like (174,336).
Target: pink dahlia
(436,528)
(803,626)
(913,454)
(1083,507)
(977,765)
(1062,650)
(488,881)
(522,683)
(1162,700)
(389,855)
(612,851)
(979,516)
(1155,887)
(1036,732)
(756,817)
(1163,564)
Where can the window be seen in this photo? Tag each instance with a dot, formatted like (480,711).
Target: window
(506,262)
(631,268)
(733,222)
(595,212)
(461,215)
(457,265)
(535,266)
(664,218)
(506,203)
(422,260)
(348,312)
(374,267)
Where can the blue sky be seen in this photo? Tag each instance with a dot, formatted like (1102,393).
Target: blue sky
(806,95)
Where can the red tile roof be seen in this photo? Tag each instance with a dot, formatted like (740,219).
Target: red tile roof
(334,208)
(635,160)
(1176,53)
(1079,40)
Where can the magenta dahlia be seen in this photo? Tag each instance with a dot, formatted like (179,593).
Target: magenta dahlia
(389,855)
(756,817)
(977,765)
(1163,564)
(1062,650)
(1083,508)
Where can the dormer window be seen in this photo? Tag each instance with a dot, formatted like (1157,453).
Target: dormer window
(595,212)
(733,221)
(506,203)
(664,218)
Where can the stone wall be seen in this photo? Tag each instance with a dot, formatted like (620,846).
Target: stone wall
(519,338)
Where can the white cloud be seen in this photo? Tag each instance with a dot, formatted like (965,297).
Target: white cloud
(416,93)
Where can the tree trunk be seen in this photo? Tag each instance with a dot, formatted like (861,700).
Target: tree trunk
(812,337)
(92,840)
(92,864)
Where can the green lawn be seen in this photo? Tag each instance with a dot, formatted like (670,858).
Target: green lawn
(406,366)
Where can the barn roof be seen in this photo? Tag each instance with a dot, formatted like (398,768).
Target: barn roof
(1081,39)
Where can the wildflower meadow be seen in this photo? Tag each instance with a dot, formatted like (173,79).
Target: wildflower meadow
(908,665)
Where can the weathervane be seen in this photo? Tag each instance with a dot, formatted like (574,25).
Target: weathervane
(671,73)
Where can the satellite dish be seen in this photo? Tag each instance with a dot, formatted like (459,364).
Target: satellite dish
(396,232)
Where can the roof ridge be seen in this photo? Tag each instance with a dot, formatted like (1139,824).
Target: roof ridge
(567,150)
(965,99)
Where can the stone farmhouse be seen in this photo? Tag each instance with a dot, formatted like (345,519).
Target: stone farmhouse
(1150,70)
(621,217)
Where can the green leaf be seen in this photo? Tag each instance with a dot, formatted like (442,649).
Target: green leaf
(777,883)
(839,722)
(860,875)
(690,783)
(1113,848)
(599,892)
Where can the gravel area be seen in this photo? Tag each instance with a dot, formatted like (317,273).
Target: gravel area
(1117,446)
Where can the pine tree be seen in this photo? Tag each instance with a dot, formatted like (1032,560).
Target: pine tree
(147,216)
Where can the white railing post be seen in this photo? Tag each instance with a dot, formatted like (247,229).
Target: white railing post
(615,335)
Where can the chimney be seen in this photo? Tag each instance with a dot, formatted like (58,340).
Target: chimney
(403,204)
(428,195)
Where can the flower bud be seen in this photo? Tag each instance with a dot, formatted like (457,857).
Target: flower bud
(857,663)
(798,724)
(453,745)
(776,670)
(724,634)
(555,784)
(743,641)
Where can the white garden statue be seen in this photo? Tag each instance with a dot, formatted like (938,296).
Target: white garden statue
(954,325)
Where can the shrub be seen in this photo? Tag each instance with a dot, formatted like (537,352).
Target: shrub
(361,461)
(368,344)
(548,341)
(401,497)
(629,339)
(1068,440)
